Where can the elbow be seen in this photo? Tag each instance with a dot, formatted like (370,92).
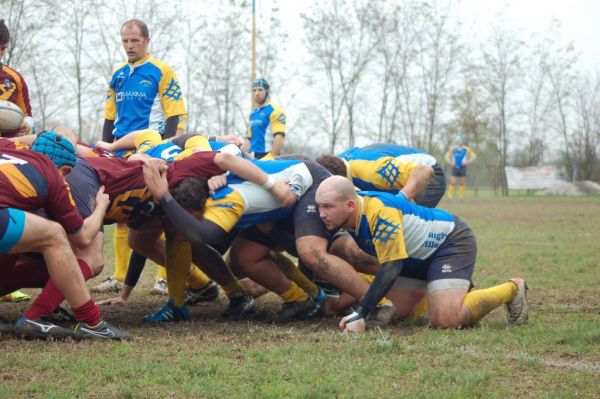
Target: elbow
(223,160)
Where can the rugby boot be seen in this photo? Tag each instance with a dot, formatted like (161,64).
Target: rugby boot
(110,284)
(240,304)
(160,287)
(296,310)
(16,296)
(518,308)
(102,330)
(205,294)
(169,313)
(41,329)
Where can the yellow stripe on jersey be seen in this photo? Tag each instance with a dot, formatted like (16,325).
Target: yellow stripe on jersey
(18,180)
(385,225)
(225,212)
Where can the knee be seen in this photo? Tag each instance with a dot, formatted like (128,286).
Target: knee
(446,321)
(54,235)
(314,259)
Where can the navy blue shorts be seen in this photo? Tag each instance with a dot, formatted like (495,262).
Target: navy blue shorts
(12,225)
(450,266)
(459,171)
(305,220)
(435,189)
(84,183)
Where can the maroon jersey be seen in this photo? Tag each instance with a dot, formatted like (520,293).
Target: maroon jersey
(123,181)
(30,181)
(14,89)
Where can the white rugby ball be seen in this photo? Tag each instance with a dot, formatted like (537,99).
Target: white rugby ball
(11,116)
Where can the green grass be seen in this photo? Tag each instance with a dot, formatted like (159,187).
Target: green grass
(552,242)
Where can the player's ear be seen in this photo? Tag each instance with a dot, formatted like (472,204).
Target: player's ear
(65,170)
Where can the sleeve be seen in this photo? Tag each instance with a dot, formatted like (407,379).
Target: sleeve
(386,231)
(470,154)
(61,205)
(277,119)
(23,98)
(405,169)
(170,93)
(450,154)
(249,131)
(110,108)
(7,144)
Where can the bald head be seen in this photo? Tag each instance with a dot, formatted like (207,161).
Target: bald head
(341,188)
(338,202)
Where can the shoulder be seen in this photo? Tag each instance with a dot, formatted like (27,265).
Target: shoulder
(161,65)
(118,69)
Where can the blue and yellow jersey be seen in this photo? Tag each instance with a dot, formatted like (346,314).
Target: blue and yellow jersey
(458,154)
(382,167)
(142,96)
(392,228)
(245,204)
(265,121)
(151,143)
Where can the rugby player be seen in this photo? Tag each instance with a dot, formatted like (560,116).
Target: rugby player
(429,252)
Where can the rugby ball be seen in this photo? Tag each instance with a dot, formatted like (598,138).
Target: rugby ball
(11,116)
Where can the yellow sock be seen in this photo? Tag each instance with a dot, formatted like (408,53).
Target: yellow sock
(161,273)
(384,301)
(197,279)
(482,302)
(367,277)
(451,191)
(179,258)
(294,294)
(233,288)
(462,192)
(421,309)
(122,252)
(292,272)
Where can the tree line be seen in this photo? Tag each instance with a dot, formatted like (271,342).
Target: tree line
(409,72)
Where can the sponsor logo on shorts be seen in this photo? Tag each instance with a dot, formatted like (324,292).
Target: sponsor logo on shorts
(311,208)
(446,268)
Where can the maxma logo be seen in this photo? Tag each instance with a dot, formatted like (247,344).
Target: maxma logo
(130,95)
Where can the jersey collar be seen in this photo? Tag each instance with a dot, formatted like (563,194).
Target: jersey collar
(142,61)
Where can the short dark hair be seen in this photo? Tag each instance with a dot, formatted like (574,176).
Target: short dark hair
(140,24)
(333,164)
(191,193)
(4,33)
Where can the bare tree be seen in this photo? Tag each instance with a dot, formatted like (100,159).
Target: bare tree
(438,49)
(339,40)
(498,74)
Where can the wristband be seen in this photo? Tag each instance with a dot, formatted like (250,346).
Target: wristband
(269,183)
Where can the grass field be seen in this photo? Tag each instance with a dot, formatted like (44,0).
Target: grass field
(552,242)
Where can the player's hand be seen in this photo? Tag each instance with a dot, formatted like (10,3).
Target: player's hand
(104,145)
(353,323)
(284,194)
(155,177)
(112,301)
(216,182)
(233,139)
(102,199)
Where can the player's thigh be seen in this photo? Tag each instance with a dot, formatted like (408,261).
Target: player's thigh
(405,294)
(32,233)
(250,246)
(145,238)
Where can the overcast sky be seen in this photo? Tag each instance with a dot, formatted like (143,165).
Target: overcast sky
(579,19)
